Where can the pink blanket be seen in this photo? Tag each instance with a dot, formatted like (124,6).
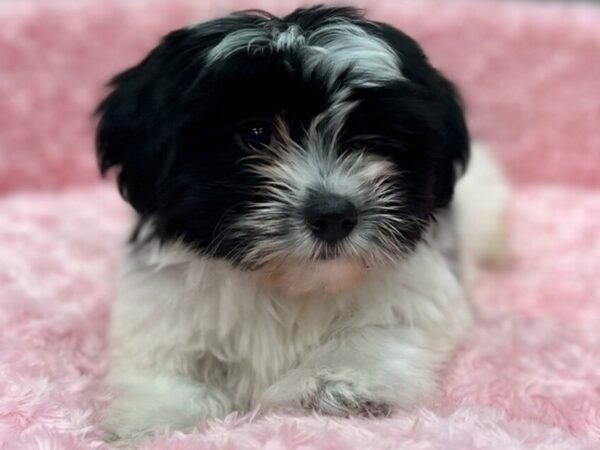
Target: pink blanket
(528,375)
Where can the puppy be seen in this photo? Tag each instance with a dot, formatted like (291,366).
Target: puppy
(297,245)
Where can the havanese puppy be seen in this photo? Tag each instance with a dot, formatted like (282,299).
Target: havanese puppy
(297,244)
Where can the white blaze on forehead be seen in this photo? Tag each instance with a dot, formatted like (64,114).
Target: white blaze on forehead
(336,47)
(288,39)
(237,41)
(342,46)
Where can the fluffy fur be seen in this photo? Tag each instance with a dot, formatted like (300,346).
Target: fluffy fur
(293,177)
(532,352)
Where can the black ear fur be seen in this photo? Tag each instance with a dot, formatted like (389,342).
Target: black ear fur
(451,158)
(132,133)
(140,118)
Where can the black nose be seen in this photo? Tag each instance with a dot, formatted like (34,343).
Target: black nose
(330,217)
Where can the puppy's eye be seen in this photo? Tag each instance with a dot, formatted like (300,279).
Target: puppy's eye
(254,134)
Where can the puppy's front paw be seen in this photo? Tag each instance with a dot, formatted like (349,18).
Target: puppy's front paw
(342,398)
(122,429)
(125,440)
(144,405)
(342,393)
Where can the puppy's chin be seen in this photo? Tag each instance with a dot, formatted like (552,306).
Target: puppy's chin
(298,278)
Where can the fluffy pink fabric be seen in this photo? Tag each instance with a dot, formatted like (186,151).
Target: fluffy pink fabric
(528,375)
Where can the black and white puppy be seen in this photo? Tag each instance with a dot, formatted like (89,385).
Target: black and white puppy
(297,240)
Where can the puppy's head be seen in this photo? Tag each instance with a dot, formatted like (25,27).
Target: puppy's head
(308,148)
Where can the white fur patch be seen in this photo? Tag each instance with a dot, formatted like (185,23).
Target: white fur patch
(288,39)
(336,47)
(342,46)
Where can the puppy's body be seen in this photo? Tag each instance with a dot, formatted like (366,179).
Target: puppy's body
(308,260)
(193,337)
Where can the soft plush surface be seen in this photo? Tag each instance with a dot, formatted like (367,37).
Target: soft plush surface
(528,376)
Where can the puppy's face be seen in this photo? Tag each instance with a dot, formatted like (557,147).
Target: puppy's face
(309,148)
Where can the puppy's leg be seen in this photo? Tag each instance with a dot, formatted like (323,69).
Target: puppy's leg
(368,372)
(386,357)
(146,402)
(155,367)
(481,200)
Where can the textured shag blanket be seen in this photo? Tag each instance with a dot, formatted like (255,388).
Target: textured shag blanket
(528,375)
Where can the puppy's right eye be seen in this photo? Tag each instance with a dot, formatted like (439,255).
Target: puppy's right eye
(254,134)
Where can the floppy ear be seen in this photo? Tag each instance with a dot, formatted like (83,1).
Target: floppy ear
(133,133)
(451,155)
(140,118)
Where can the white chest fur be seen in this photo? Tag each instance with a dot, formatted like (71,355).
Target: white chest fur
(201,317)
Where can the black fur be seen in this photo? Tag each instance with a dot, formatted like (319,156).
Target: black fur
(168,124)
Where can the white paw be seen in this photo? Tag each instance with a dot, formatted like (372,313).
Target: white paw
(147,405)
(342,398)
(331,393)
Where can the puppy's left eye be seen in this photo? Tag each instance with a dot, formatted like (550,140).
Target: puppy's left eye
(254,134)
